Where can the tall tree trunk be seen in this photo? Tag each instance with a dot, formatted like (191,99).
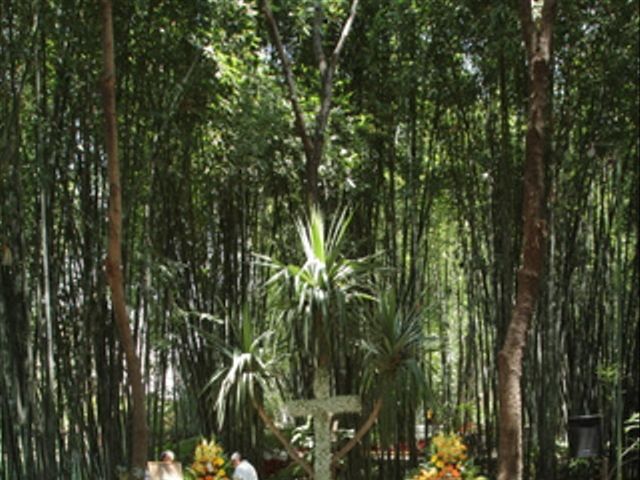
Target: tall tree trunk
(537,37)
(139,438)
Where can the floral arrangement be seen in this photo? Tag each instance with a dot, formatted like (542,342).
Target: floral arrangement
(209,461)
(448,460)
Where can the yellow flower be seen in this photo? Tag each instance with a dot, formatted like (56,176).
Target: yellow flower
(448,448)
(209,460)
(424,474)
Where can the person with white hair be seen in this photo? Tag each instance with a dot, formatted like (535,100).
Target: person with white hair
(243,470)
(166,469)
(167,456)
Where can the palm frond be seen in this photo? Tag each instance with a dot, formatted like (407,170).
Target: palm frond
(393,347)
(323,287)
(250,369)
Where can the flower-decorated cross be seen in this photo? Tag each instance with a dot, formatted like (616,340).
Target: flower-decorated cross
(322,408)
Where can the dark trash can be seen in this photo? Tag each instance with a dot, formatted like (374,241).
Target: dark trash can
(585,436)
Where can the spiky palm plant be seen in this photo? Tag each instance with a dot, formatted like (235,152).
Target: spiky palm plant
(251,372)
(251,369)
(320,295)
(394,344)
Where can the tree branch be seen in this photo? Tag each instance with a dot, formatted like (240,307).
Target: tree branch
(326,88)
(295,456)
(528,26)
(549,10)
(317,40)
(288,74)
(364,428)
(313,144)
(344,34)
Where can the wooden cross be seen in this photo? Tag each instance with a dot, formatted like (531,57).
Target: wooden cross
(322,408)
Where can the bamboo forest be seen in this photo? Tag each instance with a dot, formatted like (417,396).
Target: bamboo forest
(319,240)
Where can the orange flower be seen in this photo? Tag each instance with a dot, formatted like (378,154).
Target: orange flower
(449,471)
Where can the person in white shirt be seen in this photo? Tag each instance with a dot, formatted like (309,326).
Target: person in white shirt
(165,469)
(243,470)
(167,456)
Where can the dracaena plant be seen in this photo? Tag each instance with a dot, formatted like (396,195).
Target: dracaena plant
(323,292)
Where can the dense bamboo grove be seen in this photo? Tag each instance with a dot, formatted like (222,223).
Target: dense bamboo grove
(424,145)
